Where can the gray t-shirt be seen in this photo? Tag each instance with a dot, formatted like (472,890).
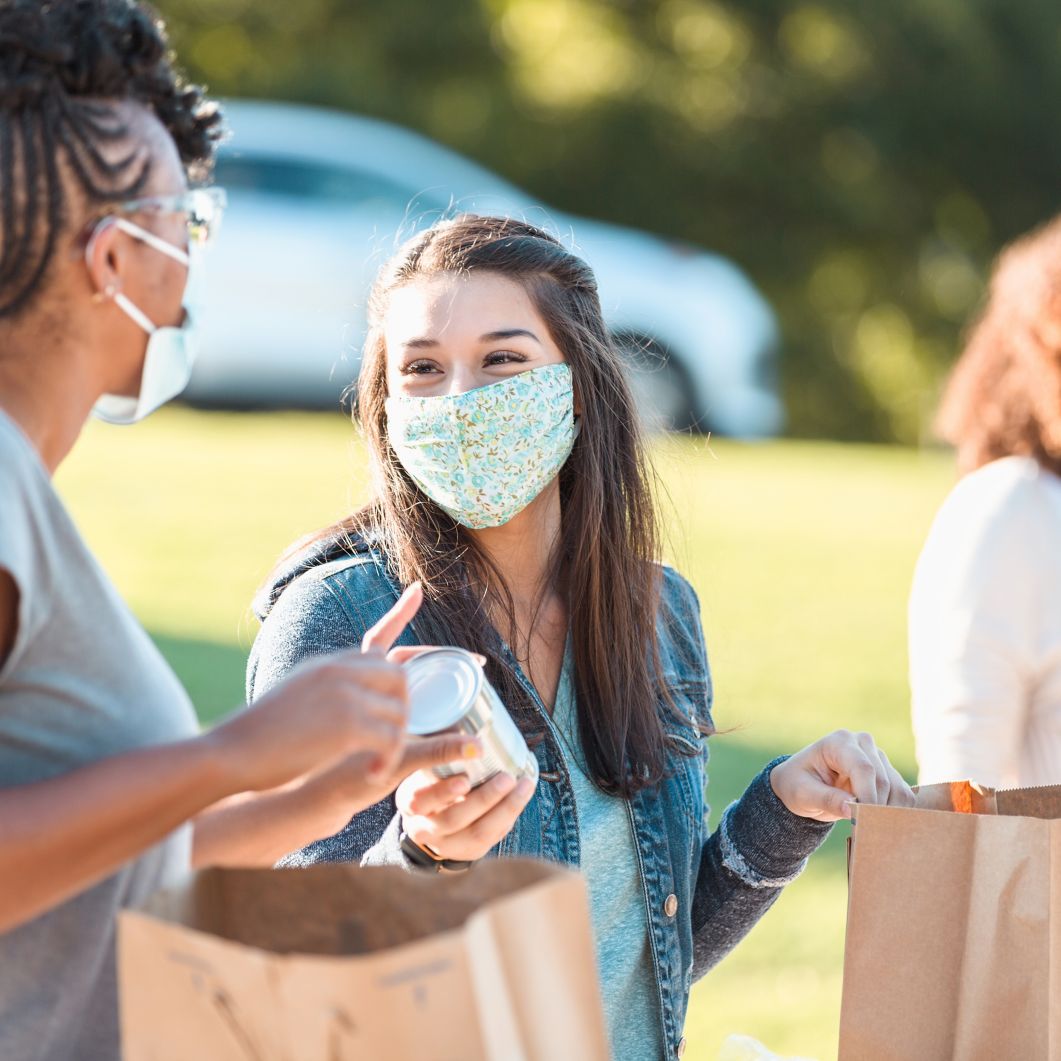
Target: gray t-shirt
(83,682)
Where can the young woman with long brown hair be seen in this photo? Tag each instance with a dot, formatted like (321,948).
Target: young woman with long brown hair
(511,483)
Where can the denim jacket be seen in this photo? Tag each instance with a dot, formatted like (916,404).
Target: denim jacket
(703,891)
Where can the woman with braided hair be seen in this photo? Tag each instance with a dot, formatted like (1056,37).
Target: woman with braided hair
(107,788)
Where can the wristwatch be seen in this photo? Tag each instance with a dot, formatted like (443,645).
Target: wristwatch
(424,859)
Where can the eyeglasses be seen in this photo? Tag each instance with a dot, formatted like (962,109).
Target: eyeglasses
(203,208)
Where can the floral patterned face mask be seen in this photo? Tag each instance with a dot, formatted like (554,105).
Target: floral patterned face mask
(484,455)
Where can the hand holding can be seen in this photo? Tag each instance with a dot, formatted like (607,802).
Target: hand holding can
(449,693)
(461,810)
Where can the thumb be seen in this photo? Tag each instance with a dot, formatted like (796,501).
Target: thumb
(423,753)
(379,638)
(823,802)
(404,653)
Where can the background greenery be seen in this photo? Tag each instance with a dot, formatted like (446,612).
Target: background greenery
(862,160)
(802,553)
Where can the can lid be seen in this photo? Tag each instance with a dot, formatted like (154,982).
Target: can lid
(443,684)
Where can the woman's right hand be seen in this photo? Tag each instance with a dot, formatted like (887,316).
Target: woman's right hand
(456,822)
(325,711)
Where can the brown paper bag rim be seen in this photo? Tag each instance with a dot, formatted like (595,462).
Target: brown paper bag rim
(558,877)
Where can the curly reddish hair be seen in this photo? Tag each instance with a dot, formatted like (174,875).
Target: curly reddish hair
(1004,396)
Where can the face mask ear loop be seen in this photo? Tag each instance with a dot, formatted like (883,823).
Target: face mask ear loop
(134,313)
(153,241)
(143,236)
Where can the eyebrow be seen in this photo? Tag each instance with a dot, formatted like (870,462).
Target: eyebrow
(489,337)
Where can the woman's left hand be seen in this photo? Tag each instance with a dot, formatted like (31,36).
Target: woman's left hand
(821,781)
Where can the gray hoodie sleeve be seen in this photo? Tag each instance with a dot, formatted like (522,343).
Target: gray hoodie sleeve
(758,848)
(312,617)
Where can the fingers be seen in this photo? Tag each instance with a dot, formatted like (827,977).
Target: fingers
(477,837)
(375,706)
(822,802)
(404,653)
(822,780)
(373,698)
(363,671)
(423,793)
(383,741)
(407,652)
(432,799)
(883,773)
(422,753)
(346,689)
(851,766)
(880,778)
(862,768)
(900,794)
(496,824)
(477,804)
(381,636)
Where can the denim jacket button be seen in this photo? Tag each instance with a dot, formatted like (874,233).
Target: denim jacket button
(670,905)
(681,1046)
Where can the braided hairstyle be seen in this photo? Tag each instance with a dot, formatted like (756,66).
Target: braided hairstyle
(64,64)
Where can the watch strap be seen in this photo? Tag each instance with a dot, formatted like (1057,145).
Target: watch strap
(424,859)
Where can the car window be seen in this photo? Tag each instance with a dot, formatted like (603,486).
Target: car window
(293,178)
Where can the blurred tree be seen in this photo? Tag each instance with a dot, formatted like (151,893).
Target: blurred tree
(862,161)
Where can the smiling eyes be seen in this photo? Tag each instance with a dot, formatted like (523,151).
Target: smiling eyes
(423,366)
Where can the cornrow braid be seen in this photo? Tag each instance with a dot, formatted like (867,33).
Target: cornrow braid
(63,66)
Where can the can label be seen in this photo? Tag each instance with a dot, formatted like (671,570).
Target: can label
(450,694)
(499,755)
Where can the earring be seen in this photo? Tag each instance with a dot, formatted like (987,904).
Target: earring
(105,295)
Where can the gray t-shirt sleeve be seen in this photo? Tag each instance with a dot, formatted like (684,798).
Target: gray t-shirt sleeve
(20,557)
(83,683)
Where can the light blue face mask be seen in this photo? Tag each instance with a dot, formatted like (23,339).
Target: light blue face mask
(484,455)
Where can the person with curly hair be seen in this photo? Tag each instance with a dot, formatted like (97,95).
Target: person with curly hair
(985,609)
(107,788)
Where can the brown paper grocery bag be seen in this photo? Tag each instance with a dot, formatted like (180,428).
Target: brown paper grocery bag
(334,963)
(954,928)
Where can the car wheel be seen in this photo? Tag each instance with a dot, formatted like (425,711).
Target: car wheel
(662,388)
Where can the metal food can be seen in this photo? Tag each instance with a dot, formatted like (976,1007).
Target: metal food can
(448,693)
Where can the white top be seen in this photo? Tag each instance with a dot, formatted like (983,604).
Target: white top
(985,631)
(83,681)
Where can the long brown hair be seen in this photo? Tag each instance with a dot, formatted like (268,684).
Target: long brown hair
(605,564)
(1004,396)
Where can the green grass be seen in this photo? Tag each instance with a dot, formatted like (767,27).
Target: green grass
(802,554)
